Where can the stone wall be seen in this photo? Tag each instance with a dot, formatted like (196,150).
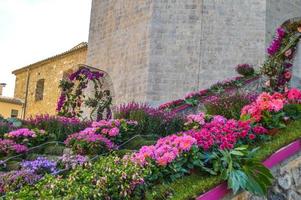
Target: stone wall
(52,71)
(287,183)
(233,32)
(159,50)
(119,45)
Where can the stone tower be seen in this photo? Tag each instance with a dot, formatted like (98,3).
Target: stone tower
(158,50)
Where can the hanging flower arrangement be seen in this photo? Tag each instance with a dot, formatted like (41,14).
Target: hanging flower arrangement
(72,97)
(278,66)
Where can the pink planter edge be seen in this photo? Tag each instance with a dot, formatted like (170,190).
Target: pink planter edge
(285,152)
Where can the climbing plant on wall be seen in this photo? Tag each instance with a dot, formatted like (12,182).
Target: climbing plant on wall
(278,66)
(72,97)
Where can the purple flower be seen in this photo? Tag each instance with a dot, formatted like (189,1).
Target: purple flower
(61,102)
(40,166)
(276,42)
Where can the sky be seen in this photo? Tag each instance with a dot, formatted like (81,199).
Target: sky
(32,30)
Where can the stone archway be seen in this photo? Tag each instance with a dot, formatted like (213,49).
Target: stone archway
(107,87)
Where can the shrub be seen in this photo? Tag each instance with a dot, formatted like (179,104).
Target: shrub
(150,120)
(227,105)
(245,69)
(109,178)
(58,127)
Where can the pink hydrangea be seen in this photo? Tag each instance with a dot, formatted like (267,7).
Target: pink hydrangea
(165,151)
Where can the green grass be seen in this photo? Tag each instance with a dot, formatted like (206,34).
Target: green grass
(192,186)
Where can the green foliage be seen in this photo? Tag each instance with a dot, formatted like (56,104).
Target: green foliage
(227,105)
(293,111)
(242,171)
(272,120)
(109,178)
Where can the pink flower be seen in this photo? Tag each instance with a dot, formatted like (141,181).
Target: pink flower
(114,132)
(294,94)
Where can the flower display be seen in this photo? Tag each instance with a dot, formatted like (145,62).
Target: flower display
(40,166)
(165,151)
(221,133)
(8,147)
(264,102)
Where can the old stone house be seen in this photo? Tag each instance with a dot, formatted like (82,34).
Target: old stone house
(38,84)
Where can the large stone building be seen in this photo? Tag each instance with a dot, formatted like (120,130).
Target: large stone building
(158,50)
(38,84)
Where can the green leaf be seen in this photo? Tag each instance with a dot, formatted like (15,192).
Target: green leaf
(237,180)
(237,153)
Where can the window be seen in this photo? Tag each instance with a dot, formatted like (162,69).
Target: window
(39,90)
(14,113)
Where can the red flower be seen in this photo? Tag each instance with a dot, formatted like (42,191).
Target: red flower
(252,136)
